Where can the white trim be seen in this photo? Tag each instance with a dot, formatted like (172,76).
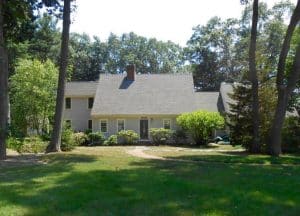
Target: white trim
(66,103)
(118,124)
(88,103)
(102,120)
(167,119)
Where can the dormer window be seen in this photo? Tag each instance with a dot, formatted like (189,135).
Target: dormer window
(90,102)
(68,103)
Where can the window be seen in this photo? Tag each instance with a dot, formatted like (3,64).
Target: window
(103,126)
(68,103)
(167,123)
(90,124)
(68,123)
(90,102)
(121,124)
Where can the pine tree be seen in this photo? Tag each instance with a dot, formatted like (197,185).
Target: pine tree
(240,116)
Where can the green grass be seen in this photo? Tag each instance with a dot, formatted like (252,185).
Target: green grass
(227,154)
(106,181)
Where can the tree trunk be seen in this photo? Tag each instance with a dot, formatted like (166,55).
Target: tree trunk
(255,146)
(284,90)
(275,138)
(54,145)
(3,88)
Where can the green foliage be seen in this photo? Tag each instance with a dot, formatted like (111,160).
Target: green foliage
(33,144)
(127,137)
(240,116)
(160,135)
(112,140)
(89,57)
(211,51)
(67,139)
(200,124)
(291,134)
(96,138)
(179,136)
(14,143)
(80,138)
(33,90)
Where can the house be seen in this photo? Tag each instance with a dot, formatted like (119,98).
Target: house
(134,102)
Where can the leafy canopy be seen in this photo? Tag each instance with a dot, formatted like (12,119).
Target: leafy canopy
(200,124)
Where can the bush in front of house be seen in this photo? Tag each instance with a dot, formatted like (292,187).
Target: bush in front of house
(291,134)
(200,124)
(80,138)
(67,139)
(127,137)
(96,138)
(179,136)
(14,143)
(32,144)
(160,135)
(112,140)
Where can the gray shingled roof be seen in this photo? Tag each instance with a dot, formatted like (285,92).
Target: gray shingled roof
(80,89)
(224,90)
(154,94)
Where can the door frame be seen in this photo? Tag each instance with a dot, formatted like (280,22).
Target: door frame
(148,132)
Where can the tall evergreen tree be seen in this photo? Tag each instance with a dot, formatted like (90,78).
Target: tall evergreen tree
(239,117)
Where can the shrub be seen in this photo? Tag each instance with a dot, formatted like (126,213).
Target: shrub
(291,134)
(200,124)
(80,138)
(96,138)
(32,144)
(112,140)
(14,143)
(160,135)
(179,137)
(67,139)
(127,137)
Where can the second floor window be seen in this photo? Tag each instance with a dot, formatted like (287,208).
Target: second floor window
(90,102)
(68,103)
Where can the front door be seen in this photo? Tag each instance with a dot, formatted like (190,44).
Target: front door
(144,128)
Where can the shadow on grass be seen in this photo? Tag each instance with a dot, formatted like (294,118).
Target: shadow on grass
(82,185)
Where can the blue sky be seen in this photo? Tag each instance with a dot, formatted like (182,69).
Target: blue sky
(163,19)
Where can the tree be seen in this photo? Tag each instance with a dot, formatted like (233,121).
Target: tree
(285,83)
(3,87)
(57,127)
(239,117)
(33,94)
(44,43)
(255,147)
(211,51)
(200,124)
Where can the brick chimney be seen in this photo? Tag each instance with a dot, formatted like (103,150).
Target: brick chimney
(130,69)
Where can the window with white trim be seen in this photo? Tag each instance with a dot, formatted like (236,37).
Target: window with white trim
(121,124)
(167,123)
(103,125)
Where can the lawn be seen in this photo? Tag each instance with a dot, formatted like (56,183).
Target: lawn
(107,181)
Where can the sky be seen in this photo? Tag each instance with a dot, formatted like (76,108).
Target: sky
(163,19)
